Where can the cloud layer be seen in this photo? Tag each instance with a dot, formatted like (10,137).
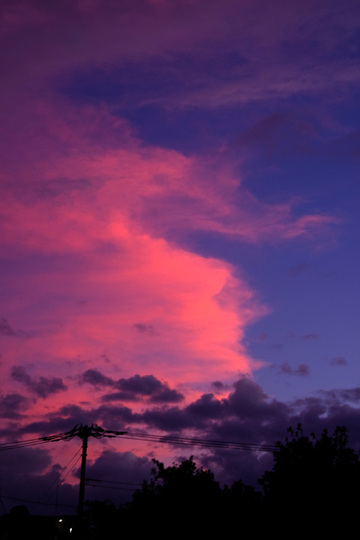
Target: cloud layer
(94,226)
(111,312)
(246,414)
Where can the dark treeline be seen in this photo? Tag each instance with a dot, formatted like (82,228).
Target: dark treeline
(314,487)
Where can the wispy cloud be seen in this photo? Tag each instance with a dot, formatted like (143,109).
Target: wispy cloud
(5,328)
(338,361)
(145,328)
(309,337)
(41,386)
(297,270)
(302,370)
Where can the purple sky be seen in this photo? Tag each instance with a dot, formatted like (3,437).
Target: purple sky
(179,229)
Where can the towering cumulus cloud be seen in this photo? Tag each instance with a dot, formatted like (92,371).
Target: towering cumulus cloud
(128,139)
(94,222)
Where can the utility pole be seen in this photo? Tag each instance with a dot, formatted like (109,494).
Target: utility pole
(84,432)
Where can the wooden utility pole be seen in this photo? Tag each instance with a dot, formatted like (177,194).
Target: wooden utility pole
(84,433)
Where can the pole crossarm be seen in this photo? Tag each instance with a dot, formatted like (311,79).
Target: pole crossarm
(84,431)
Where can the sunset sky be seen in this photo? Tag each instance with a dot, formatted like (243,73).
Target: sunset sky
(179,213)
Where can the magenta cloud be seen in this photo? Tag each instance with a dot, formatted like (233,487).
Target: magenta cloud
(110,312)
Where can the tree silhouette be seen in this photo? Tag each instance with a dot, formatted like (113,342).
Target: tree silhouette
(313,487)
(187,498)
(104,519)
(179,496)
(313,478)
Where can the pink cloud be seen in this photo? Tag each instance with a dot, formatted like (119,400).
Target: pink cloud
(100,214)
(88,212)
(91,212)
(110,184)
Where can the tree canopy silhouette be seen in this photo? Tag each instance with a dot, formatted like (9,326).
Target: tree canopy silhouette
(314,484)
(189,498)
(177,490)
(313,478)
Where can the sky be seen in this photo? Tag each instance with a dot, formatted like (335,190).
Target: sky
(179,193)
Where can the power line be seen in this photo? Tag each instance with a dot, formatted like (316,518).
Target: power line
(33,502)
(84,432)
(98,432)
(56,480)
(112,482)
(21,444)
(51,494)
(110,487)
(187,441)
(106,486)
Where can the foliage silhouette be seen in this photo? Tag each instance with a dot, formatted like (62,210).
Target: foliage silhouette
(313,478)
(313,485)
(188,498)
(177,492)
(104,518)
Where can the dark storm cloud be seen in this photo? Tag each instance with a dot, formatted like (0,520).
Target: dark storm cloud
(75,412)
(25,476)
(302,371)
(136,388)
(41,386)
(247,402)
(169,419)
(45,386)
(338,361)
(115,417)
(250,401)
(218,386)
(247,415)
(144,385)
(120,396)
(69,416)
(206,407)
(251,416)
(237,464)
(60,421)
(94,377)
(342,395)
(124,468)
(13,405)
(24,461)
(315,415)
(125,465)
(166,395)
